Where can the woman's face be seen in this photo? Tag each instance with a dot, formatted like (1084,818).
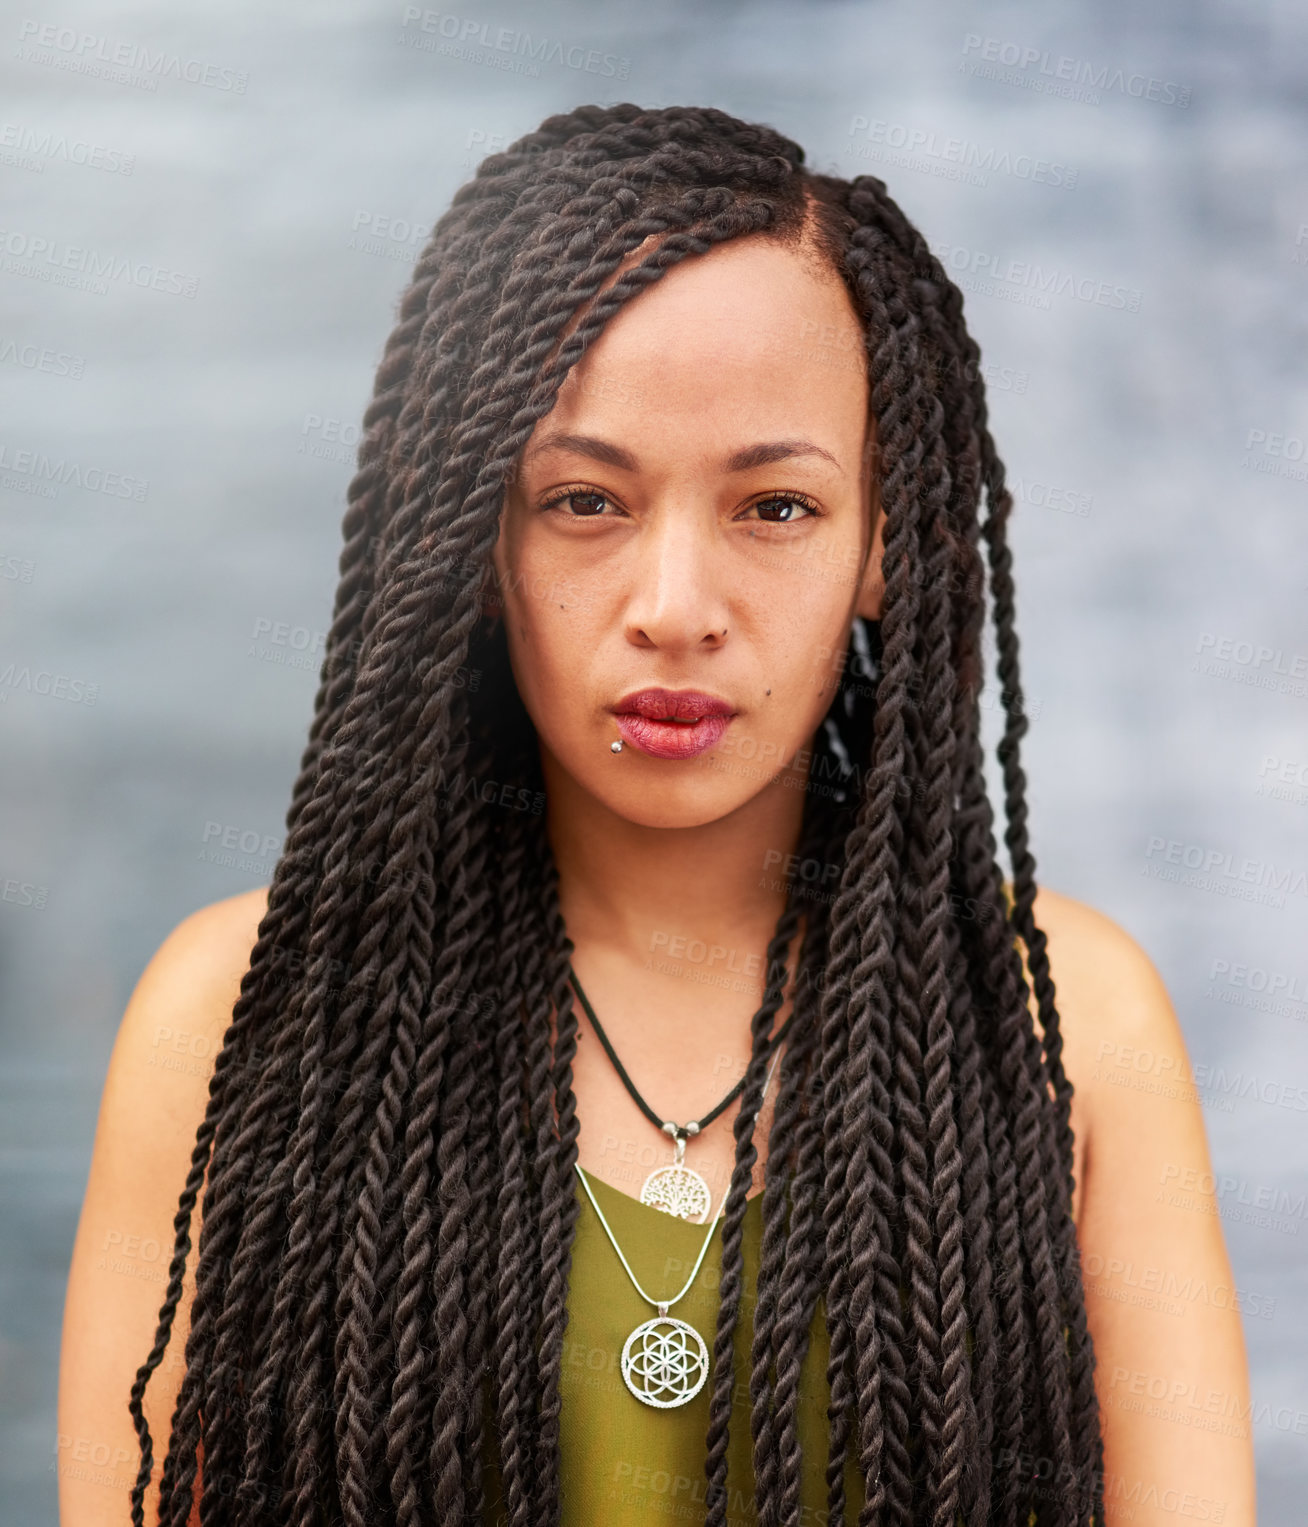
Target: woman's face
(695,514)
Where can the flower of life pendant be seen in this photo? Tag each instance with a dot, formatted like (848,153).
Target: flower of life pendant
(665,1361)
(678,1189)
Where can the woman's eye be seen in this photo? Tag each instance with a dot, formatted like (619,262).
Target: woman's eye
(785,501)
(589,502)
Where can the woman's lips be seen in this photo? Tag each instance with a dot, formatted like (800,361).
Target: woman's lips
(671,739)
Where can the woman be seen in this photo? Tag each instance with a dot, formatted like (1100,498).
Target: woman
(646,762)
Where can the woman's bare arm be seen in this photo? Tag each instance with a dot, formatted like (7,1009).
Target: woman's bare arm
(154,1098)
(1171,1367)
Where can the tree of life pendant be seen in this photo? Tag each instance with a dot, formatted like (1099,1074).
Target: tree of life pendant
(665,1361)
(678,1189)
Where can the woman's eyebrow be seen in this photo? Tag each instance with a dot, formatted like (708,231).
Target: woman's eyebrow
(586,445)
(767,451)
(761,455)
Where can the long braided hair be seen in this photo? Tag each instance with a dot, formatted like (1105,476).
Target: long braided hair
(389,1210)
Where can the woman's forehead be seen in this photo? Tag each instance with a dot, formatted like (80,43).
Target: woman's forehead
(751,328)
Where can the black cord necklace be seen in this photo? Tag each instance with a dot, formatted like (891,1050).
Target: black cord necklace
(677,1188)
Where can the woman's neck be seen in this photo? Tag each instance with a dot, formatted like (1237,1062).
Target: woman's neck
(635,889)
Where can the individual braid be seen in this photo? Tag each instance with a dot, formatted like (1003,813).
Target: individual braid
(514,1291)
(733,1214)
(937,1287)
(556,1156)
(468,854)
(387,1154)
(799,1276)
(778,1338)
(975,1192)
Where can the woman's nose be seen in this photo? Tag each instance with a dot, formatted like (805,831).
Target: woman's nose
(678,595)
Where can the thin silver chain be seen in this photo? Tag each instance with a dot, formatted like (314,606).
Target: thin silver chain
(664,1305)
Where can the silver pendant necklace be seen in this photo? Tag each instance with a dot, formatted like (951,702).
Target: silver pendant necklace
(665,1361)
(675,1188)
(678,1189)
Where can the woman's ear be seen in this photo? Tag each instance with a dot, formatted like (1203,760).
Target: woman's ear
(872,586)
(492,606)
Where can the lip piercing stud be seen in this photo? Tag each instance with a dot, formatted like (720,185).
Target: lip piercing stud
(616,747)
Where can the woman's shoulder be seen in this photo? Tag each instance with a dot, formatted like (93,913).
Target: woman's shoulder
(1112,1003)
(177,1016)
(1101,974)
(155,1094)
(214,935)
(198,968)
(163,1056)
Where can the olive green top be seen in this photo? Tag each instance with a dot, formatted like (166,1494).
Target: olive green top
(623,1461)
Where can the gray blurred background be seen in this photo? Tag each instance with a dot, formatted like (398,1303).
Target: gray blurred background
(1121,190)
